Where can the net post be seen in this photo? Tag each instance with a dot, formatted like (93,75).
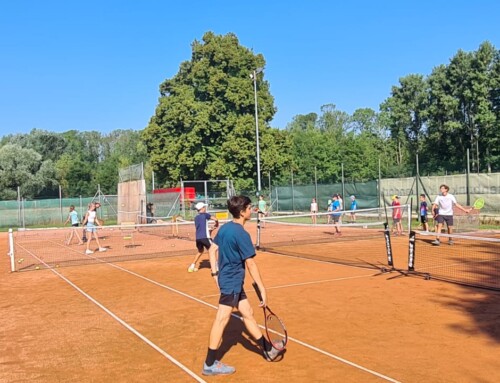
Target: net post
(388,245)
(411,251)
(11,251)
(409,209)
(257,243)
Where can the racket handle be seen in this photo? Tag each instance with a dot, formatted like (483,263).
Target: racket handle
(257,290)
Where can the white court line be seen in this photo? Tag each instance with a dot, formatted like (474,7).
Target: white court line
(305,283)
(123,323)
(338,358)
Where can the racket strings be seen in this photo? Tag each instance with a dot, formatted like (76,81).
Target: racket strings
(276,332)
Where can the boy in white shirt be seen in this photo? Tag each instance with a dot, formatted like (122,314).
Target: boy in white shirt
(445,202)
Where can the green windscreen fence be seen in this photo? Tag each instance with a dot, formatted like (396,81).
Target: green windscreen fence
(51,212)
(298,198)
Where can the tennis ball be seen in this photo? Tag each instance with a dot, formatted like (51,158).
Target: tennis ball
(20,260)
(173,245)
(37,268)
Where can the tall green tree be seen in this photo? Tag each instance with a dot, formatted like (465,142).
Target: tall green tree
(406,113)
(462,109)
(204,125)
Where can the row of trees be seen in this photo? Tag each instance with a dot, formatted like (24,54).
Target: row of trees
(204,128)
(40,162)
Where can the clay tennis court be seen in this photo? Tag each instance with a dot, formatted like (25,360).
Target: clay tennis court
(148,321)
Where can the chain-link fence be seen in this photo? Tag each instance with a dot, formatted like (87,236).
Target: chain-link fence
(287,199)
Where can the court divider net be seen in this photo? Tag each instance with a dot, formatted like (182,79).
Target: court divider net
(34,249)
(472,260)
(362,238)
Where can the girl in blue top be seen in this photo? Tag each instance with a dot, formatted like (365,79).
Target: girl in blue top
(354,207)
(73,218)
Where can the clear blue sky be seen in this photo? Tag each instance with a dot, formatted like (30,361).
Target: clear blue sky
(97,65)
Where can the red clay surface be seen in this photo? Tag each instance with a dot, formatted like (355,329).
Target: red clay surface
(148,321)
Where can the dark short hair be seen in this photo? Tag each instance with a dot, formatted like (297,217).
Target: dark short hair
(236,204)
(422,195)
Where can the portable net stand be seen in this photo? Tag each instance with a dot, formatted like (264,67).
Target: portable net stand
(411,257)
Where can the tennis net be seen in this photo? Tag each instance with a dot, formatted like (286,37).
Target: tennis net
(362,239)
(34,249)
(467,260)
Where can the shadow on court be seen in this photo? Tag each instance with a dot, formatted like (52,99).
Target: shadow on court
(233,334)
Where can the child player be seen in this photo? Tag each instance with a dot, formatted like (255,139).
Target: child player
(203,237)
(423,213)
(396,215)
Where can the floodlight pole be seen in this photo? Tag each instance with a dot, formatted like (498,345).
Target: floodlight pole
(254,77)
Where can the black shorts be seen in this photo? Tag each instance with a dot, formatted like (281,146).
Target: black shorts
(423,219)
(204,243)
(232,299)
(75,225)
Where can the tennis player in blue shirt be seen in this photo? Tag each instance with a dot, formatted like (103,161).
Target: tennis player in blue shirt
(236,255)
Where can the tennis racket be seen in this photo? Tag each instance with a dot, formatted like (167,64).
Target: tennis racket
(474,212)
(276,332)
(478,204)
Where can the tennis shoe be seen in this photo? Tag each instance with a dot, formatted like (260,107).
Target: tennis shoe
(436,242)
(192,269)
(218,368)
(101,249)
(450,242)
(273,353)
(89,252)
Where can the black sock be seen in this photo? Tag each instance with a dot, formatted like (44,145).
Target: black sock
(265,344)
(211,355)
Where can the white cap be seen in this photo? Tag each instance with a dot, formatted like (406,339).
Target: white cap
(200,205)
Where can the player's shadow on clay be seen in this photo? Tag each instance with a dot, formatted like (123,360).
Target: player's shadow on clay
(235,333)
(204,264)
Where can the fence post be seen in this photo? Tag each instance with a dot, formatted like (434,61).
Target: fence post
(315,184)
(11,251)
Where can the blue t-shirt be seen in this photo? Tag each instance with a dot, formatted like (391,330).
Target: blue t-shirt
(235,247)
(201,223)
(423,208)
(74,217)
(336,205)
(354,205)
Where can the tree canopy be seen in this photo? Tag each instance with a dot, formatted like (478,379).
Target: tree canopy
(204,124)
